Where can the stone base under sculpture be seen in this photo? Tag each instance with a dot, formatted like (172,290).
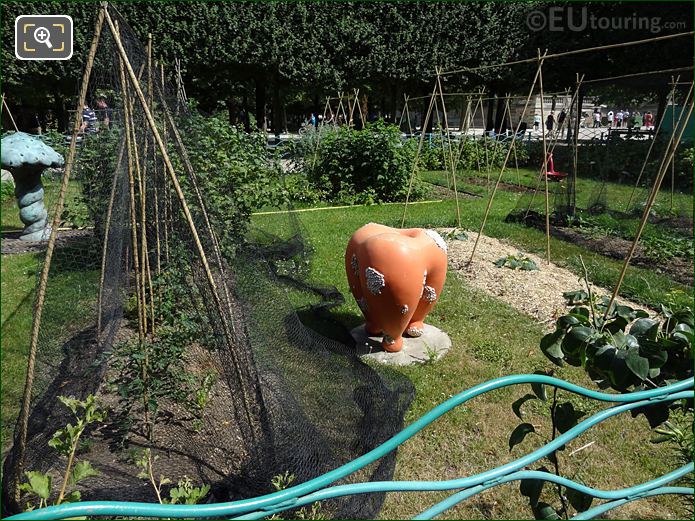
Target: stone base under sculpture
(430,347)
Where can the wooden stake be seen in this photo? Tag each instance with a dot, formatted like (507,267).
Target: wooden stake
(139,286)
(7,108)
(646,159)
(544,168)
(187,214)
(417,153)
(504,164)
(43,278)
(451,153)
(663,167)
(104,249)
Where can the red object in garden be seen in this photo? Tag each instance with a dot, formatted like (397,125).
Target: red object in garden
(551,173)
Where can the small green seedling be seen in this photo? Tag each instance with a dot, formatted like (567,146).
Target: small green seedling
(66,441)
(516,262)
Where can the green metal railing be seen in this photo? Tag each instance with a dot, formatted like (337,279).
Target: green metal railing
(319,489)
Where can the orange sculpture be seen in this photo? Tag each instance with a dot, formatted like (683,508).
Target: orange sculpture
(396,276)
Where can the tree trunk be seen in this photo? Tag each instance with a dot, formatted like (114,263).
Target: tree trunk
(260,104)
(61,113)
(231,113)
(245,114)
(277,108)
(489,124)
(499,113)
(433,116)
(364,105)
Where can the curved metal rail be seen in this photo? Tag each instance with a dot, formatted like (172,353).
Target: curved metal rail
(319,489)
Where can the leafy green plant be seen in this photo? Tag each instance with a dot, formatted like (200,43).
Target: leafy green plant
(233,169)
(184,493)
(7,191)
(517,262)
(456,235)
(359,166)
(67,441)
(664,248)
(621,347)
(75,214)
(284,481)
(563,416)
(149,370)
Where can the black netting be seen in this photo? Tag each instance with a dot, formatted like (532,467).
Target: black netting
(236,390)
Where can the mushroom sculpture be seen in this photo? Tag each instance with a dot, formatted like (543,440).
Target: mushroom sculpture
(26,157)
(396,276)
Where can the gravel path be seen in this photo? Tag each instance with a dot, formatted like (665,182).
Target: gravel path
(12,245)
(534,293)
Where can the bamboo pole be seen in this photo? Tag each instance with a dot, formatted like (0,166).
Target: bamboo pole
(646,159)
(43,278)
(104,249)
(451,153)
(187,215)
(571,53)
(514,138)
(167,194)
(417,153)
(504,164)
(155,176)
(139,286)
(185,159)
(544,168)
(575,151)
(487,159)
(668,156)
(139,274)
(7,108)
(673,129)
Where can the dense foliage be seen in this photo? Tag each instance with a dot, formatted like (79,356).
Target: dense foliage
(360,166)
(295,52)
(233,171)
(472,154)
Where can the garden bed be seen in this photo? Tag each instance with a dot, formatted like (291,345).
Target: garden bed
(679,269)
(537,293)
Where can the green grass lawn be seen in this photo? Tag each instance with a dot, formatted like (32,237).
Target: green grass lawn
(490,339)
(69,308)
(10,210)
(645,286)
(616,195)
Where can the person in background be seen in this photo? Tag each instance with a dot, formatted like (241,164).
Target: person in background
(597,119)
(619,119)
(89,120)
(104,113)
(312,120)
(550,122)
(610,118)
(561,119)
(637,120)
(536,121)
(626,116)
(648,120)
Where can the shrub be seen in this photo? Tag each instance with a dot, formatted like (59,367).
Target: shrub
(359,166)
(233,171)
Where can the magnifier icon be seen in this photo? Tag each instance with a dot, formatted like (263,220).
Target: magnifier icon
(42,35)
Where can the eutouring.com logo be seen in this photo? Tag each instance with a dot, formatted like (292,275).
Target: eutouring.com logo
(575,19)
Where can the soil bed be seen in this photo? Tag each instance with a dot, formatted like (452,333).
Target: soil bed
(534,293)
